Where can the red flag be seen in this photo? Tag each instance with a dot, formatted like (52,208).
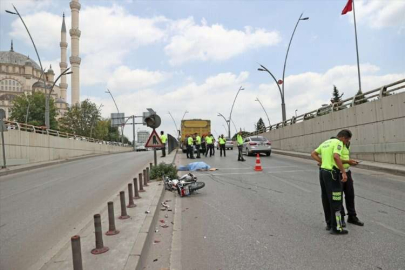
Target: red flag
(348,7)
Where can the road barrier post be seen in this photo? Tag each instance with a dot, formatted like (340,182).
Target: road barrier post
(124,214)
(76,253)
(140,183)
(100,248)
(136,189)
(145,180)
(131,203)
(111,220)
(147,174)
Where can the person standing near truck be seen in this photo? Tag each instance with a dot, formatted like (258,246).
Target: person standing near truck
(190,143)
(198,144)
(210,144)
(222,142)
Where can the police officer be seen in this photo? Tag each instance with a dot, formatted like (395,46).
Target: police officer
(210,144)
(331,174)
(348,189)
(198,144)
(163,138)
(190,143)
(186,143)
(203,145)
(239,141)
(221,142)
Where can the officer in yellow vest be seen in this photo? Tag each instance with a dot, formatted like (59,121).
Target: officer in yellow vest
(331,174)
(210,144)
(348,189)
(163,138)
(190,143)
(222,142)
(198,144)
(239,141)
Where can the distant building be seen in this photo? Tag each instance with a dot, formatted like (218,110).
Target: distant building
(143,136)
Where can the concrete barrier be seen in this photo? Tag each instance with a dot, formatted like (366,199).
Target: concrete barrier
(24,147)
(378,131)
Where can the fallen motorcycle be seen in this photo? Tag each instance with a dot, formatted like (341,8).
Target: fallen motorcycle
(185,185)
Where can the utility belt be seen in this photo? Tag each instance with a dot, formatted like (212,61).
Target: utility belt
(335,172)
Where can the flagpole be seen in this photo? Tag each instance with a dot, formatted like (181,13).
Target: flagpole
(357,46)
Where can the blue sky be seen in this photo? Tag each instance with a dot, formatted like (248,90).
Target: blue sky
(194,55)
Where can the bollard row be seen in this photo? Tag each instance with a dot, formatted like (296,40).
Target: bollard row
(100,248)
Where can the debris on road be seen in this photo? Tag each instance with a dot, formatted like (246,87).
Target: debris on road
(147,212)
(166,216)
(162,221)
(163,209)
(164,226)
(155,260)
(156,242)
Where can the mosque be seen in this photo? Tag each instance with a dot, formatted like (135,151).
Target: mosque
(20,75)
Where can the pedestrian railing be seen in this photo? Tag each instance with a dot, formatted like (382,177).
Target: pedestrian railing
(375,94)
(172,143)
(11,125)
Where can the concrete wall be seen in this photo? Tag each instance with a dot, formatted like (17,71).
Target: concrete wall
(378,131)
(26,147)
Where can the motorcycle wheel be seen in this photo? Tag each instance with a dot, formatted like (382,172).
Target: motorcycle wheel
(196,186)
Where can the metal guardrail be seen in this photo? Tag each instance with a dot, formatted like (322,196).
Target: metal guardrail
(378,93)
(43,130)
(172,143)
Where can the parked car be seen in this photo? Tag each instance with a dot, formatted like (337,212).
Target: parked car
(256,145)
(229,144)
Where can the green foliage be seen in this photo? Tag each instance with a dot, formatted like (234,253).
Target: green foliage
(36,114)
(336,96)
(244,134)
(260,125)
(80,119)
(168,170)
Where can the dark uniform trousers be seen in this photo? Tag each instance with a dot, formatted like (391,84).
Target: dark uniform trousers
(240,157)
(163,150)
(222,148)
(197,146)
(348,190)
(190,151)
(331,197)
(210,148)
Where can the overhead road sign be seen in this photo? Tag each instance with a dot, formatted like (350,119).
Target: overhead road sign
(117,119)
(154,141)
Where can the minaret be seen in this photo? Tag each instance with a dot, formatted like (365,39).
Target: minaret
(63,57)
(74,58)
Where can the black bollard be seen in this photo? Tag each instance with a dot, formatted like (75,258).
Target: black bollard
(147,174)
(111,220)
(145,179)
(100,248)
(123,206)
(150,166)
(76,253)
(131,203)
(136,189)
(141,183)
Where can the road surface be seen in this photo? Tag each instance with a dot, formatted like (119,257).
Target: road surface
(40,209)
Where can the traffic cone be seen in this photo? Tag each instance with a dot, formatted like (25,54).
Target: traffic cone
(258,166)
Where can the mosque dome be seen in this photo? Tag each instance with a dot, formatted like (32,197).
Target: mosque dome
(15,58)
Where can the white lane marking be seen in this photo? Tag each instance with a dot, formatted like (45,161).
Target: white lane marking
(225,168)
(31,188)
(208,174)
(390,228)
(293,185)
(175,254)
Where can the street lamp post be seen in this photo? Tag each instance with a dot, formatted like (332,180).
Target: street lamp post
(48,96)
(285,65)
(230,114)
(174,122)
(228,124)
(257,99)
(28,109)
(122,127)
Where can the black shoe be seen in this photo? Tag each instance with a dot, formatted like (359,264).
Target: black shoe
(355,220)
(328,227)
(243,159)
(343,222)
(338,232)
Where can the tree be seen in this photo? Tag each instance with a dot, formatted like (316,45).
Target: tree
(260,125)
(36,114)
(360,98)
(336,97)
(80,119)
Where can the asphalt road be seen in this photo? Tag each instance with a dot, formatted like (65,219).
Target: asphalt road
(273,219)
(40,209)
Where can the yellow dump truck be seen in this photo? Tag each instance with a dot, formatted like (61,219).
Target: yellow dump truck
(191,126)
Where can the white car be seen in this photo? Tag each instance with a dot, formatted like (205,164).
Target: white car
(256,145)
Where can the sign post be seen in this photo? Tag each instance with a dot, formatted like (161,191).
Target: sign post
(154,142)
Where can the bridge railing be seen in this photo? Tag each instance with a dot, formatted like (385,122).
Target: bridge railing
(375,94)
(11,125)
